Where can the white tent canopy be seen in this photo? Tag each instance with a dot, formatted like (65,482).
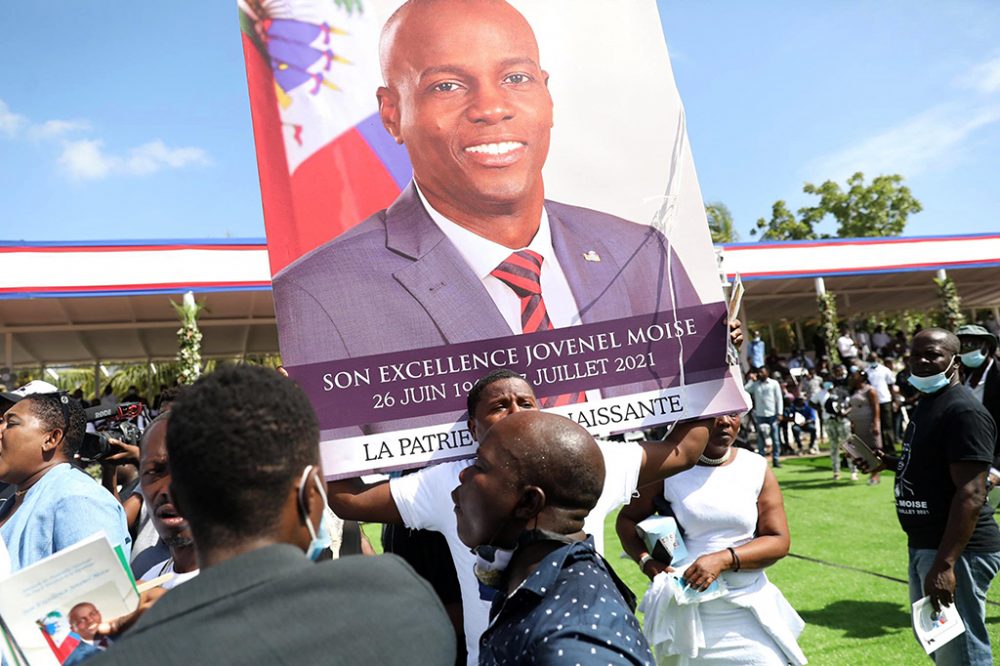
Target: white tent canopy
(96,303)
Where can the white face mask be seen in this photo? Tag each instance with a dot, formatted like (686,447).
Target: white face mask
(933,383)
(973,359)
(321,539)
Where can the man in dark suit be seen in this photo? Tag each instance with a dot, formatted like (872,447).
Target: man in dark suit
(464,92)
(244,458)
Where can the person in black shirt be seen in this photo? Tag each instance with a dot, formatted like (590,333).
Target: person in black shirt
(954,542)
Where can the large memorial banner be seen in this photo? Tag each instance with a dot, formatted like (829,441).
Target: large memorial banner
(451,187)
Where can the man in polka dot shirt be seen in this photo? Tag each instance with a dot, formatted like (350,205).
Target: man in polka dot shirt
(535,479)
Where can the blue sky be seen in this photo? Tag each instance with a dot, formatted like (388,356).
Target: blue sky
(130,120)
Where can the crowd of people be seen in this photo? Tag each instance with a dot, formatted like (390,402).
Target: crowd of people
(521,575)
(861,390)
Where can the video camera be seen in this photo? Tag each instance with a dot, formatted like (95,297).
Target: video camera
(119,422)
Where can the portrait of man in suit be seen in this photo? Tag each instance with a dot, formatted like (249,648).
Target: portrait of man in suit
(471,249)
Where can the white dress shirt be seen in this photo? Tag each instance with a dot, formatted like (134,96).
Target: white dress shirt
(483,255)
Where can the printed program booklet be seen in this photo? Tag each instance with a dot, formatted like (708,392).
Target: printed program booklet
(935,629)
(43,605)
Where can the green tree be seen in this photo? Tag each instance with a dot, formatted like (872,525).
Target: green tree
(720,223)
(880,208)
(783,225)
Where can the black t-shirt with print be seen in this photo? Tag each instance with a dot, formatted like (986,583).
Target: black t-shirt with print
(947,427)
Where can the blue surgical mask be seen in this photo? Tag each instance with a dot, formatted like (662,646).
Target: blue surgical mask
(933,383)
(321,539)
(973,359)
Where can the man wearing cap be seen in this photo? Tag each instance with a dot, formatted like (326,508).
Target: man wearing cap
(54,504)
(981,374)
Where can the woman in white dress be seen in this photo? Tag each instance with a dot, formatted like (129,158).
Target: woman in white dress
(732,515)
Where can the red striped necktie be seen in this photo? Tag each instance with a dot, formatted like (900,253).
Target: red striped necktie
(522,272)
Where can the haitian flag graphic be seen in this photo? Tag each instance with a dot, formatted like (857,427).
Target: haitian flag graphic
(325,160)
(574,154)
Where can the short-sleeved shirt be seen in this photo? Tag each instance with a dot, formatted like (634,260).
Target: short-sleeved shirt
(948,426)
(569,611)
(881,378)
(424,502)
(62,508)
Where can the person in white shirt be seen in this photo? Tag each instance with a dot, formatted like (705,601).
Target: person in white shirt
(423,500)
(174,530)
(768,406)
(880,340)
(883,380)
(845,346)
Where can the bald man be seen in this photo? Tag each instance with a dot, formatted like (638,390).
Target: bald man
(421,500)
(535,480)
(953,539)
(466,95)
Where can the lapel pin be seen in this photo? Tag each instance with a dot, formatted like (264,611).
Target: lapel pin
(590,255)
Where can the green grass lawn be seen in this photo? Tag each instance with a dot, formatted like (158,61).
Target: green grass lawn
(852,618)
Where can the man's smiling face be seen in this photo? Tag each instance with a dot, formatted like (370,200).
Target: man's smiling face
(466,95)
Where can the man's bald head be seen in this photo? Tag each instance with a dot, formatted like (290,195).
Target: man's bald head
(411,25)
(945,338)
(555,454)
(465,93)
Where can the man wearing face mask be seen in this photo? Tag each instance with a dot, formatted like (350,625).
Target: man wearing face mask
(536,478)
(243,450)
(981,374)
(954,542)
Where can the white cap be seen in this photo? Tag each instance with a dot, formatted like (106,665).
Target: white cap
(35,387)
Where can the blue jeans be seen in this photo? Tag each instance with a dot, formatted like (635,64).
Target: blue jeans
(973,574)
(767,426)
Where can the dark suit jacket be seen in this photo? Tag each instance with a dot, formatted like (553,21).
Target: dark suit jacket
(991,401)
(395,282)
(273,606)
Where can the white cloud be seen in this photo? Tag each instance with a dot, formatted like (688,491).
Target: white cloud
(53,129)
(86,159)
(983,78)
(14,125)
(931,139)
(11,123)
(83,160)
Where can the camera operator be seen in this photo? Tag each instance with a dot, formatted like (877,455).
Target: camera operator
(114,444)
(54,505)
(838,427)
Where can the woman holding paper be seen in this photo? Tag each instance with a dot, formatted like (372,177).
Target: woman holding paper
(730,509)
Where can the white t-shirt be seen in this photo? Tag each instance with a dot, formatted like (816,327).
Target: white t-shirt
(881,378)
(167,567)
(846,347)
(424,502)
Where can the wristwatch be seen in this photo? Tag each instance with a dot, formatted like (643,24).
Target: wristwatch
(643,560)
